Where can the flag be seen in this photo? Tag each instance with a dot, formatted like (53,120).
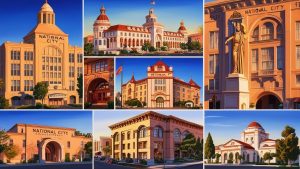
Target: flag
(152,2)
(120,69)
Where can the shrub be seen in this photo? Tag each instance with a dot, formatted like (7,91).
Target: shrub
(4,103)
(34,159)
(159,160)
(67,158)
(143,162)
(87,105)
(134,102)
(152,49)
(110,105)
(124,52)
(163,48)
(38,105)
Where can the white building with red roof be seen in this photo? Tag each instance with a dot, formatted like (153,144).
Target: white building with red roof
(160,89)
(113,38)
(251,148)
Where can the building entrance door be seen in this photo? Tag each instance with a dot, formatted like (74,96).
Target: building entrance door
(269,102)
(98,91)
(56,102)
(53,152)
(159,102)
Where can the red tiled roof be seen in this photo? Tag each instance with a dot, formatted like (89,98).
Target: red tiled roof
(182,28)
(127,28)
(185,83)
(160,63)
(193,83)
(255,125)
(248,146)
(102,17)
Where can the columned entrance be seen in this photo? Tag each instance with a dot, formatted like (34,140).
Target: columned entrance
(269,101)
(51,151)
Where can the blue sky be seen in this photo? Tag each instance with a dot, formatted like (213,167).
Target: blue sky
(184,68)
(80,120)
(226,125)
(19,17)
(103,119)
(133,12)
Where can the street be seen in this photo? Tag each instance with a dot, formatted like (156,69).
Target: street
(101,165)
(56,166)
(242,167)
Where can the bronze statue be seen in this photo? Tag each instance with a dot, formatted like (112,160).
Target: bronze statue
(238,40)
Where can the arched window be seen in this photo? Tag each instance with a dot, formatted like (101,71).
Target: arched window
(116,137)
(255,34)
(128,135)
(142,132)
(177,134)
(159,102)
(267,31)
(185,133)
(158,132)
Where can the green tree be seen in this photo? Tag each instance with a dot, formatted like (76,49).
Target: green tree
(146,46)
(199,149)
(209,148)
(88,148)
(188,145)
(183,46)
(268,156)
(287,148)
(3,139)
(217,156)
(194,45)
(40,91)
(88,49)
(11,152)
(80,86)
(106,150)
(152,49)
(2,84)
(4,103)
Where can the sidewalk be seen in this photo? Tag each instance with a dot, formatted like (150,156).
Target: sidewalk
(42,164)
(176,165)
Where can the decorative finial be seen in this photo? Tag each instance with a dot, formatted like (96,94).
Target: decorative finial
(46,1)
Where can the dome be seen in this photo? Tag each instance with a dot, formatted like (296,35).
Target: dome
(46,8)
(254,125)
(182,28)
(102,17)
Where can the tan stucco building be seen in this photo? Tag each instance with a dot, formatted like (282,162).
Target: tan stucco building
(102,146)
(271,58)
(45,143)
(160,89)
(44,56)
(151,136)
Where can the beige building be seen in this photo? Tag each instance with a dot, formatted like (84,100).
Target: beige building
(160,89)
(102,144)
(44,56)
(45,143)
(151,136)
(271,60)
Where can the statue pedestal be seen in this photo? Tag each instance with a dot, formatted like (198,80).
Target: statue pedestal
(236,94)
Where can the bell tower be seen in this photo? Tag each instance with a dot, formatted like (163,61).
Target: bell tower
(46,14)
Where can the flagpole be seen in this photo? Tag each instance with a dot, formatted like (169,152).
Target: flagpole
(121,87)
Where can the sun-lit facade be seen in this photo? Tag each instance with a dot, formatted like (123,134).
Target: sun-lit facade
(46,144)
(44,56)
(272,52)
(151,136)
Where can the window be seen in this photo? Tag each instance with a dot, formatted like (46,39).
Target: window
(128,135)
(142,132)
(79,71)
(71,71)
(28,55)
(158,132)
(28,70)
(213,84)
(280,57)
(298,57)
(213,64)
(24,143)
(71,57)
(15,69)
(28,85)
(69,144)
(267,31)
(100,42)
(255,35)
(297,80)
(160,85)
(177,134)
(128,146)
(15,55)
(298,30)
(11,142)
(72,85)
(254,66)
(214,39)
(267,59)
(279,32)
(79,58)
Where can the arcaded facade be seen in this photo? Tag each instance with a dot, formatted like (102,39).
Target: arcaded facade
(272,52)
(113,38)
(45,143)
(98,81)
(44,56)
(160,89)
(151,136)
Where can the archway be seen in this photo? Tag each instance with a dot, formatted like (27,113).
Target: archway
(53,152)
(72,99)
(98,91)
(159,102)
(269,101)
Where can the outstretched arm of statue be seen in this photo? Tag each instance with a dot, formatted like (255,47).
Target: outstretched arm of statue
(229,39)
